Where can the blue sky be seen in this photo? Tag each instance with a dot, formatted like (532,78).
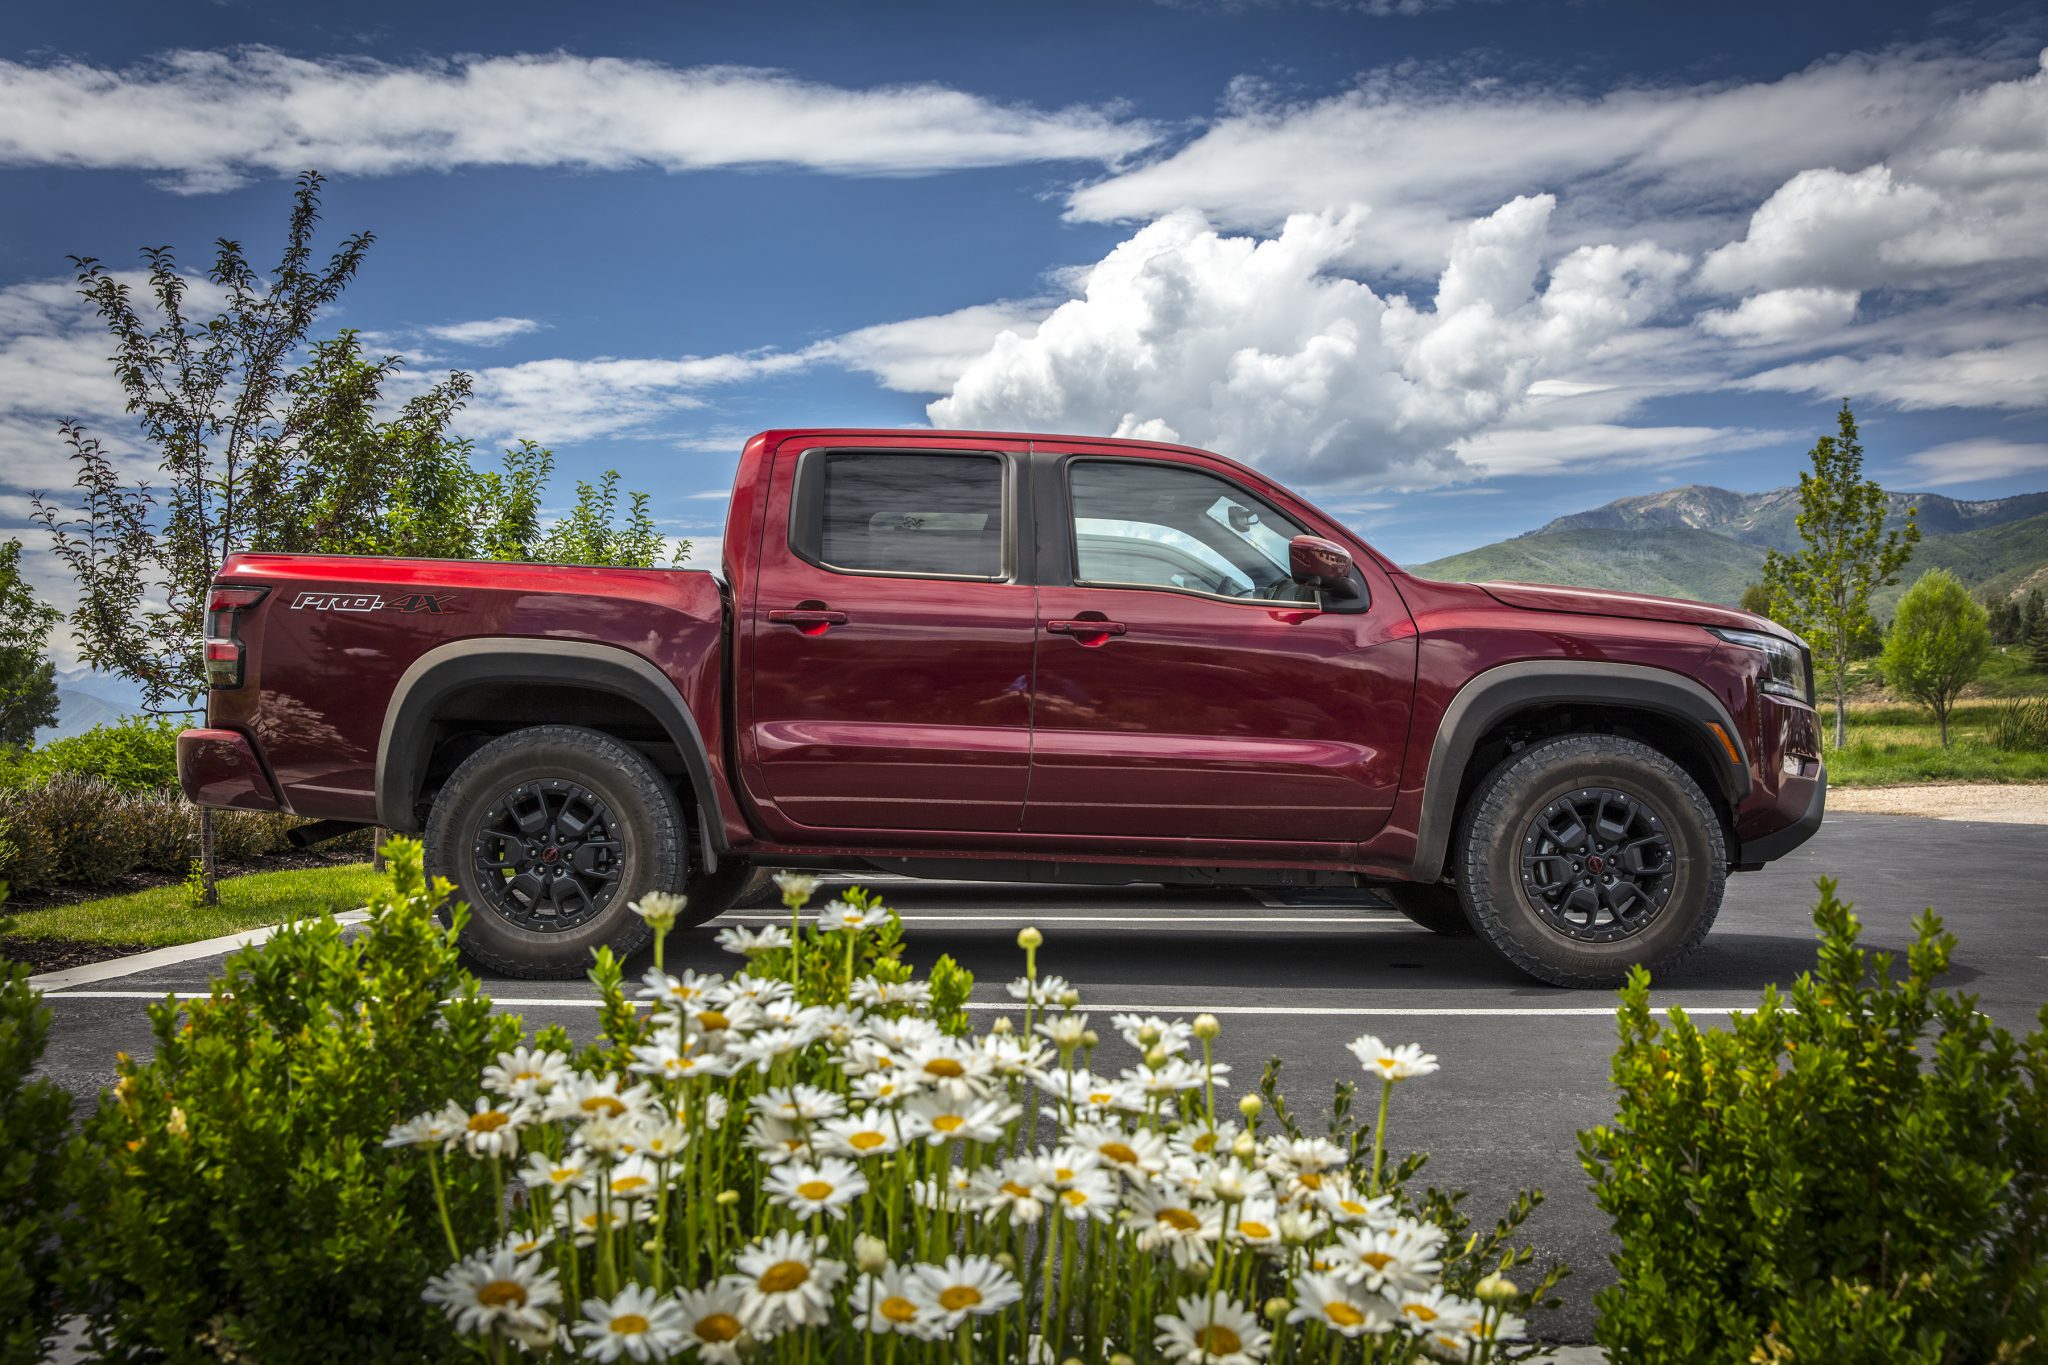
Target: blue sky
(1451,267)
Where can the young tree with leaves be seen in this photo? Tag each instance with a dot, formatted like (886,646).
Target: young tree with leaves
(1939,638)
(28,682)
(1823,590)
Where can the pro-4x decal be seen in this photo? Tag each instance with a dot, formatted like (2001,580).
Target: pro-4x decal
(434,603)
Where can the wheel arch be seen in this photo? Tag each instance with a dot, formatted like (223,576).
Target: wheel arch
(1512,703)
(490,685)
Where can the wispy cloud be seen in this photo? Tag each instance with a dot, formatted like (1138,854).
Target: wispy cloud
(1973,460)
(483,332)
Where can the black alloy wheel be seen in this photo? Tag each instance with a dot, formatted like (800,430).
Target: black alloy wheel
(549,855)
(1597,864)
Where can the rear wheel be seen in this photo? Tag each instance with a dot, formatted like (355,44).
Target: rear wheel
(1434,907)
(549,835)
(1584,856)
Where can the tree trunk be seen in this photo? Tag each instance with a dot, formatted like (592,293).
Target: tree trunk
(207,871)
(377,838)
(1942,716)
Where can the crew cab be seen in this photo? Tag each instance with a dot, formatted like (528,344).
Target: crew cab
(1014,656)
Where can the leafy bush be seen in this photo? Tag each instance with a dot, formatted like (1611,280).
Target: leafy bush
(27,861)
(135,753)
(239,1200)
(35,1116)
(1862,1177)
(2021,725)
(167,828)
(93,834)
(816,1160)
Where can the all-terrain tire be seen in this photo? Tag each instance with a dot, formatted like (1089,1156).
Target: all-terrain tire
(1436,907)
(647,838)
(1498,829)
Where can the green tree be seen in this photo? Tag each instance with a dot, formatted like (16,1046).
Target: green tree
(1756,600)
(1823,590)
(2003,614)
(1938,641)
(2033,627)
(28,681)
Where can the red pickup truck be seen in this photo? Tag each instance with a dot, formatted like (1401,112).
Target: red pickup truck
(1024,658)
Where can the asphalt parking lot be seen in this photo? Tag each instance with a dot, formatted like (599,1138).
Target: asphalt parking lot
(1524,1065)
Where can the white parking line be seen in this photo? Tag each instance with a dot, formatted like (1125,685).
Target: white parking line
(1143,1007)
(1054,919)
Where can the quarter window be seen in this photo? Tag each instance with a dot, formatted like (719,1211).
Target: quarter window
(1155,525)
(926,515)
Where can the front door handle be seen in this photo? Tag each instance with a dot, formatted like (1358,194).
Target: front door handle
(1087,632)
(809,620)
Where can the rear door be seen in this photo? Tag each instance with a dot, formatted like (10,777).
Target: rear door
(890,642)
(1186,687)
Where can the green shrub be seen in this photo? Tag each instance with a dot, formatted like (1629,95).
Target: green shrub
(35,1117)
(1861,1177)
(2022,725)
(135,753)
(94,837)
(240,1200)
(167,829)
(27,862)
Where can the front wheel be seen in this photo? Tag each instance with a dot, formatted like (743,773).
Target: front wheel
(549,835)
(1584,856)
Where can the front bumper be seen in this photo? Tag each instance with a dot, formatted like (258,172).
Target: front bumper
(1754,853)
(220,768)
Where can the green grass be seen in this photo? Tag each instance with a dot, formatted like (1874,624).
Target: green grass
(1890,743)
(160,918)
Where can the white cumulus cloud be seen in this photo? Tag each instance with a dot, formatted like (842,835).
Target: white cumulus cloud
(1783,315)
(483,331)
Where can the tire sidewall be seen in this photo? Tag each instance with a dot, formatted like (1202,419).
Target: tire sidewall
(651,829)
(1491,875)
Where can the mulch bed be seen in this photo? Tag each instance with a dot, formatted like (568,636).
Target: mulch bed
(56,954)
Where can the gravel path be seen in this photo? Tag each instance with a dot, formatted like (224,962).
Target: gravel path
(2015,803)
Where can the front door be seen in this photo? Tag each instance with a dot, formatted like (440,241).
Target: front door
(1187,687)
(889,660)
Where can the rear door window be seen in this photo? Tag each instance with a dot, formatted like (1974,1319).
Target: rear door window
(926,516)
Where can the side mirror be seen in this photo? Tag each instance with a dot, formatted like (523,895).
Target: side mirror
(1317,563)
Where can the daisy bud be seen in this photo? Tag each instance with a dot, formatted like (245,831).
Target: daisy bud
(1006,1261)
(1155,1057)
(1206,1026)
(871,1254)
(1029,938)
(1245,1148)
(651,1245)
(1069,999)
(1277,1308)
(1121,1359)
(1497,1288)
(1148,1035)
(727,1198)
(1002,1027)
(1251,1106)
(1090,1039)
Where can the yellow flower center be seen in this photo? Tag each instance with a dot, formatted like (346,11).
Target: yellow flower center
(1255,1231)
(1421,1312)
(629,1324)
(947,1123)
(628,1184)
(1310,1180)
(490,1121)
(1205,1143)
(898,1309)
(607,1105)
(502,1294)
(717,1327)
(783,1276)
(815,1189)
(1100,1096)
(1015,1191)
(1119,1153)
(1378,1260)
(1342,1313)
(1218,1340)
(526,1076)
(1386,1062)
(955,1297)
(944,1066)
(1352,1206)
(1179,1218)
(867,1142)
(562,1175)
(1075,1197)
(713,1020)
(1062,1173)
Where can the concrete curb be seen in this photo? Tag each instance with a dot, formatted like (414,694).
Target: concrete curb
(115,968)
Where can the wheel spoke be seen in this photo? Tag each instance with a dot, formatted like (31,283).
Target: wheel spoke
(550,855)
(1597,864)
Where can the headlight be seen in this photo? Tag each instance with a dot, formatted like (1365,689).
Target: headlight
(1788,671)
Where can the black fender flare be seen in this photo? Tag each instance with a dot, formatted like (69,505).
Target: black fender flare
(440,673)
(1489,697)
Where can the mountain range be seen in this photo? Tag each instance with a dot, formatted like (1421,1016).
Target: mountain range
(1708,544)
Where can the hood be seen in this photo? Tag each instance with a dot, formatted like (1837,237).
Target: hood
(1641,606)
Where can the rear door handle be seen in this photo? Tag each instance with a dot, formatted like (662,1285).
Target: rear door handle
(1085,628)
(809,620)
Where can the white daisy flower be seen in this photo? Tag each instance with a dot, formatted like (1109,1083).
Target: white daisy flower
(1299,1227)
(1139,1155)
(952,1191)
(950,1067)
(1147,1031)
(585,1218)
(493,1289)
(1014,1055)
(811,1188)
(523,1074)
(938,1119)
(838,1025)
(1391,1063)
(891,994)
(1196,1335)
(1350,1206)
(570,1171)
(1436,1310)
(775,1141)
(901,1034)
(1045,992)
(1256,1223)
(1399,1258)
(1064,1031)
(796,887)
(865,1054)
(585,1096)
(717,1026)
(1177,1075)
(754,990)
(1016,1189)
(752,942)
(661,909)
(711,1322)
(763,1049)
(1229,1183)
(785,1280)
(492,1128)
(963,1287)
(634,1178)
(665,1141)
(1198,1141)
(679,993)
(799,1103)
(867,1134)
(1091,1094)
(638,1324)
(884,1303)
(1287,1158)
(1181,1227)
(1082,1188)
(438,1129)
(671,1058)
(846,917)
(526,1243)
(884,1087)
(1340,1307)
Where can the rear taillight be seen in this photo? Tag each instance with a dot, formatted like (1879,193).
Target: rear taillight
(224,607)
